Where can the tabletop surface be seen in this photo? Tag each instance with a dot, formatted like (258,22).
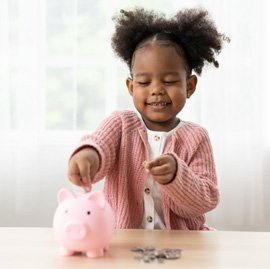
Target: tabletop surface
(37,248)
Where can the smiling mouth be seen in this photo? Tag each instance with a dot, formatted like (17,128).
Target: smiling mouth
(158,105)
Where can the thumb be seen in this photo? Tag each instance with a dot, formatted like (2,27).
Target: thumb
(153,163)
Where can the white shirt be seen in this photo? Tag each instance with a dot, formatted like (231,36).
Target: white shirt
(153,213)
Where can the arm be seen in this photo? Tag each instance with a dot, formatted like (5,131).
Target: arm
(83,167)
(194,189)
(96,154)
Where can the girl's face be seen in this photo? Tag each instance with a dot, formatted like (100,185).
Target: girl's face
(159,85)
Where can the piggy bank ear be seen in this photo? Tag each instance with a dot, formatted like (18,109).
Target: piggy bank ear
(64,194)
(97,197)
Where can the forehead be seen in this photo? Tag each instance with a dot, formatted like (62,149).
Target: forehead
(161,56)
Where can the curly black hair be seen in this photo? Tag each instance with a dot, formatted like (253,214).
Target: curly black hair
(192,30)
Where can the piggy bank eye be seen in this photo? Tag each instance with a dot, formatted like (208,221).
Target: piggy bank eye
(88,213)
(66,211)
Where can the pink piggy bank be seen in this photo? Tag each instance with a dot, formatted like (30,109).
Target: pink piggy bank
(83,223)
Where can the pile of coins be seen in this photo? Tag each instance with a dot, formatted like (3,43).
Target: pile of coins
(150,254)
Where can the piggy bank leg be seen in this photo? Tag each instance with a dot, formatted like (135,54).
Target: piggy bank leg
(95,254)
(66,252)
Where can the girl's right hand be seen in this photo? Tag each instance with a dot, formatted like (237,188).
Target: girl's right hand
(83,167)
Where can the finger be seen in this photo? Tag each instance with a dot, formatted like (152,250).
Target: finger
(163,179)
(84,169)
(152,163)
(158,161)
(74,174)
(88,188)
(160,170)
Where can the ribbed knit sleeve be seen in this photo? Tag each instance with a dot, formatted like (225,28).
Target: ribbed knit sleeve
(106,141)
(194,190)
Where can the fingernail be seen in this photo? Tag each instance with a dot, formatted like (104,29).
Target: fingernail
(87,189)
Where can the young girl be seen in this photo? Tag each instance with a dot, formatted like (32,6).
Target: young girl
(159,170)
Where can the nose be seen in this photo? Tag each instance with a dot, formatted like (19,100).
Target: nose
(75,230)
(158,89)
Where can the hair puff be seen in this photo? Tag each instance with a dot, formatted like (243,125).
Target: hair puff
(193,29)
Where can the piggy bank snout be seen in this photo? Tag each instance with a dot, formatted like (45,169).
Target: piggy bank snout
(76,230)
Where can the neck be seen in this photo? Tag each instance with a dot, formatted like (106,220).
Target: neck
(161,126)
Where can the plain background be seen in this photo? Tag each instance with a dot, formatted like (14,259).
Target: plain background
(59,78)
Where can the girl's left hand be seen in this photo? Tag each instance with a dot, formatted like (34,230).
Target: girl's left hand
(162,169)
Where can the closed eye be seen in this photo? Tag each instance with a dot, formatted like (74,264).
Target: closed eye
(143,83)
(170,82)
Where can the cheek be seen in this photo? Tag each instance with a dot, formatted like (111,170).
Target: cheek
(139,94)
(178,98)
(177,93)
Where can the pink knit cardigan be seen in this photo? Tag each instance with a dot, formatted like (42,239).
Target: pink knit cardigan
(121,141)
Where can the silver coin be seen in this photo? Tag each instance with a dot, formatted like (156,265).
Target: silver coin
(171,254)
(137,249)
(150,254)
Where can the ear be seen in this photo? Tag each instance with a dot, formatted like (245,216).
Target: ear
(129,83)
(191,85)
(64,194)
(97,197)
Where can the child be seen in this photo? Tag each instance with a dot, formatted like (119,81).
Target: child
(159,170)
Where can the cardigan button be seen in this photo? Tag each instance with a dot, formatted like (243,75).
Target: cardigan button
(157,137)
(149,219)
(147,190)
